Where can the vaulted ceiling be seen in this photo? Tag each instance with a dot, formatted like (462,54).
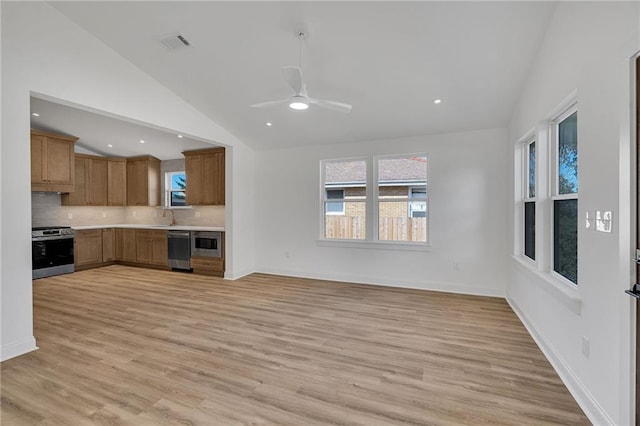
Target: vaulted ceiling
(390,60)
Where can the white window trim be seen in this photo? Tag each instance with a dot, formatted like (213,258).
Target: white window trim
(525,198)
(554,180)
(560,287)
(371,200)
(167,191)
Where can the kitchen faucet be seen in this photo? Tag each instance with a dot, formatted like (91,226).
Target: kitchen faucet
(173,216)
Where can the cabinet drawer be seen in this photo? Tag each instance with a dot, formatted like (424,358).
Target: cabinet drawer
(209,263)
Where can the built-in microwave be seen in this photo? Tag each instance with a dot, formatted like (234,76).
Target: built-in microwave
(206,243)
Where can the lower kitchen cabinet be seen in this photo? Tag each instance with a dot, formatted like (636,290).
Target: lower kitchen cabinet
(125,245)
(152,247)
(108,245)
(208,265)
(87,247)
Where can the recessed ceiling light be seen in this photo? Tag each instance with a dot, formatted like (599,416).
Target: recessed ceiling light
(141,141)
(110,146)
(437,101)
(268,123)
(180,136)
(35,114)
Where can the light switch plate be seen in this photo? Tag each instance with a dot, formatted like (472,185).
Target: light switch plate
(590,221)
(604,220)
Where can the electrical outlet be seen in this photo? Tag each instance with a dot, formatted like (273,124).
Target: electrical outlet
(134,213)
(456,266)
(197,214)
(586,347)
(287,255)
(104,214)
(69,215)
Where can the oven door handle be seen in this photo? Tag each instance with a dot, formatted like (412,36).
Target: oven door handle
(53,237)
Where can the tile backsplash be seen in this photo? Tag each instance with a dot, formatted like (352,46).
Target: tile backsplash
(46,210)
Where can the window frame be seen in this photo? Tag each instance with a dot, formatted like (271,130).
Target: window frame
(371,202)
(554,180)
(340,200)
(530,139)
(168,191)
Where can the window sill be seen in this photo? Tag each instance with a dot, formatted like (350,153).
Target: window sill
(376,245)
(567,294)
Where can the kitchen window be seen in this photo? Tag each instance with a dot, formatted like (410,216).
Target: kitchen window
(176,185)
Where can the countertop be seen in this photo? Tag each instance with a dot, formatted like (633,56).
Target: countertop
(164,227)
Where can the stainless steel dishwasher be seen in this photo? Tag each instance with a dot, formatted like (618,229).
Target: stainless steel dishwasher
(179,249)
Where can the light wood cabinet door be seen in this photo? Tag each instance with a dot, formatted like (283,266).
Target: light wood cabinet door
(143,181)
(52,162)
(90,182)
(38,171)
(108,245)
(97,187)
(88,247)
(213,179)
(160,248)
(144,246)
(117,182)
(59,161)
(194,170)
(136,183)
(79,196)
(125,245)
(205,170)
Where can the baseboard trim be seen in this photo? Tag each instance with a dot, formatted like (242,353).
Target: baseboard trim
(594,411)
(231,276)
(446,287)
(18,348)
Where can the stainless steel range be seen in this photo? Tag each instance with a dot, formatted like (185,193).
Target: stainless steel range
(52,251)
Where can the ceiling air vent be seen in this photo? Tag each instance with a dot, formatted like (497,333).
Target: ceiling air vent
(175,42)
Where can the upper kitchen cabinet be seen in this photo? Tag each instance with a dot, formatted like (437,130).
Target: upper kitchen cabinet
(91,188)
(205,172)
(52,162)
(143,181)
(117,182)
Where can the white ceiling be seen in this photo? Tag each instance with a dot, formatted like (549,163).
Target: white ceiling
(390,60)
(96,132)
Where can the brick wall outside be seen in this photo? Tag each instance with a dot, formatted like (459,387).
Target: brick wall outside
(387,208)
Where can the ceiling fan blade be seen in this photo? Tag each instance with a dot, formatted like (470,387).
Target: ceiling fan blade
(334,105)
(293,77)
(268,104)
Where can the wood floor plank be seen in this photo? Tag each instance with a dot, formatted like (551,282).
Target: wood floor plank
(130,346)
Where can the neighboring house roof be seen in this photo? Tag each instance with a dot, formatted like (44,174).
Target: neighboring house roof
(391,170)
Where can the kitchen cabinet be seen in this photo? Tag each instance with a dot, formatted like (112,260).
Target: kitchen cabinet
(152,247)
(91,173)
(205,172)
(87,247)
(52,162)
(117,182)
(108,245)
(208,265)
(143,181)
(125,245)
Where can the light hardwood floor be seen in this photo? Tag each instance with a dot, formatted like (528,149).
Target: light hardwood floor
(121,345)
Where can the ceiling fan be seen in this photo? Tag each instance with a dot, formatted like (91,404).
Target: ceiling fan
(300,99)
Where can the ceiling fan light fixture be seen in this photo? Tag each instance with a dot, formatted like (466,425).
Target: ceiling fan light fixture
(298,103)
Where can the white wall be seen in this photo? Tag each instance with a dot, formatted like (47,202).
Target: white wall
(587,49)
(45,53)
(467,188)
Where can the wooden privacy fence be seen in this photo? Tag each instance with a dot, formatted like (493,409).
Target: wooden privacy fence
(390,228)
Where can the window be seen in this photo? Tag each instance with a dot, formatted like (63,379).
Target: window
(335,207)
(530,200)
(402,198)
(418,207)
(344,185)
(389,204)
(564,131)
(176,185)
